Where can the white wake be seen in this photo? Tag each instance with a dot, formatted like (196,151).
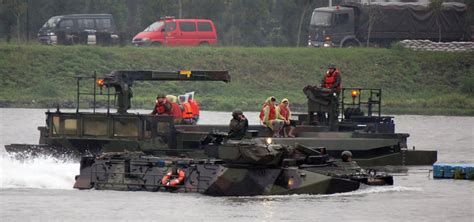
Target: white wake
(43,173)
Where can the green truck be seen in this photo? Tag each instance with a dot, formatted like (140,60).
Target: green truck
(353,24)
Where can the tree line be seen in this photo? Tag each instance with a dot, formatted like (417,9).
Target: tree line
(238,22)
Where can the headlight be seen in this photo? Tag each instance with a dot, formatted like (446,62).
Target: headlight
(354,93)
(327,45)
(146,39)
(50,33)
(268,140)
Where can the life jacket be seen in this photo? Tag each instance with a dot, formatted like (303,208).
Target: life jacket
(176,111)
(161,109)
(262,112)
(271,113)
(173,180)
(284,111)
(195,107)
(329,80)
(188,111)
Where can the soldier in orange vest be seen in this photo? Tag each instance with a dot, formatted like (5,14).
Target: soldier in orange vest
(284,113)
(176,110)
(162,106)
(270,117)
(187,111)
(195,106)
(332,79)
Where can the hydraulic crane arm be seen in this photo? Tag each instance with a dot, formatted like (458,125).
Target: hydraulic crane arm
(122,81)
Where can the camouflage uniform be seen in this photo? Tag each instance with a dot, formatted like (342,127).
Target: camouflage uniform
(238,126)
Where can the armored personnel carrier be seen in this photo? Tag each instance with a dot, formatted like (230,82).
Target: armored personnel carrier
(237,168)
(335,122)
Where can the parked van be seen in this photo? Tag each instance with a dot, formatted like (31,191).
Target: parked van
(68,29)
(177,32)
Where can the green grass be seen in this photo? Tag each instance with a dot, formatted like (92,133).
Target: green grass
(413,82)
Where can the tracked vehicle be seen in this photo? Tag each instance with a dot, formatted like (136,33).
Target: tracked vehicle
(353,121)
(238,168)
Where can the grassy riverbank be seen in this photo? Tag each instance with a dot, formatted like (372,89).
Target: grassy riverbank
(413,82)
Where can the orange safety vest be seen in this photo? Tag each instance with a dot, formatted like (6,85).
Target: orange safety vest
(176,112)
(272,113)
(262,112)
(194,106)
(284,111)
(188,111)
(160,108)
(329,80)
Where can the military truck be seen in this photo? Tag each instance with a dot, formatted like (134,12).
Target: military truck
(237,168)
(369,135)
(351,24)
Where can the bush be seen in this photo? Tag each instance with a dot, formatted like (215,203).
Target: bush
(467,85)
(409,79)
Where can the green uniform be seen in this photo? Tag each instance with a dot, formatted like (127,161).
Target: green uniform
(238,128)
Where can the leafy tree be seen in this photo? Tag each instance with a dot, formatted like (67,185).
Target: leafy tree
(238,22)
(304,9)
(17,8)
(6,19)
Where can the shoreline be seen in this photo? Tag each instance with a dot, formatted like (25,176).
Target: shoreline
(426,111)
(428,83)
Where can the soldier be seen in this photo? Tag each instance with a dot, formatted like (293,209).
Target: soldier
(187,110)
(268,116)
(238,125)
(284,113)
(162,106)
(347,161)
(176,109)
(194,105)
(332,79)
(346,156)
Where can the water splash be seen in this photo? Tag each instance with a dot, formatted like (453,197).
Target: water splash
(364,190)
(42,173)
(379,189)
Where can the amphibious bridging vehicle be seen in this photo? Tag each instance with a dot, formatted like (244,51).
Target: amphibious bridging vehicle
(237,168)
(368,135)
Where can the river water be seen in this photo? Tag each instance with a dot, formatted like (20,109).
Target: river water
(41,189)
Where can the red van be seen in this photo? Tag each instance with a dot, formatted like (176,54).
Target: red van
(177,32)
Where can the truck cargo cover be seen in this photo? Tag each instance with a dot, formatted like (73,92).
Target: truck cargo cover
(412,21)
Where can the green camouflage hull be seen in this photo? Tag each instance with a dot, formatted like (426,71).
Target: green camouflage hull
(214,178)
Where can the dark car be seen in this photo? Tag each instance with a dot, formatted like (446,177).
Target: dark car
(78,28)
